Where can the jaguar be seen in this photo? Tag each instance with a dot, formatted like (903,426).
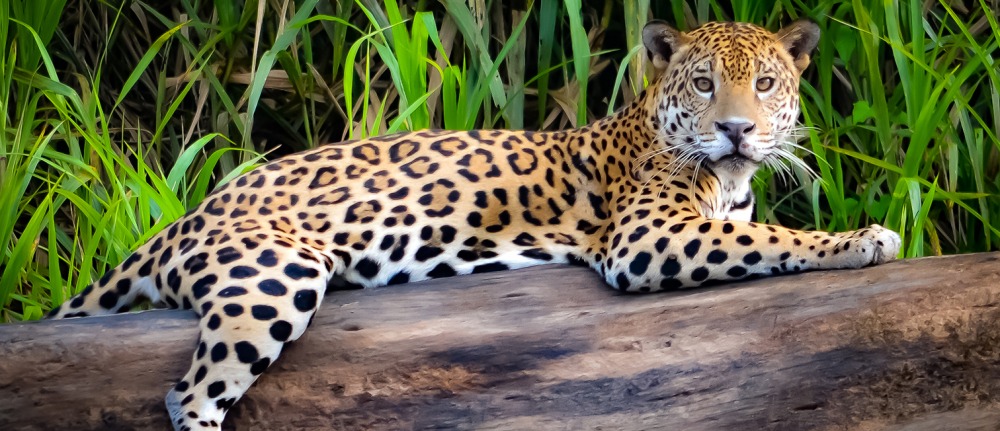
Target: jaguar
(655,197)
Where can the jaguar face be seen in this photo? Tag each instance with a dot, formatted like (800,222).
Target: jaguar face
(729,91)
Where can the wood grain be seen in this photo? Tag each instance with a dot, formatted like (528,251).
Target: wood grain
(913,345)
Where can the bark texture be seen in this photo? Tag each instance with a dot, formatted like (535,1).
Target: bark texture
(912,345)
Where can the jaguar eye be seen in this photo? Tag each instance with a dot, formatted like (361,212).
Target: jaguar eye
(764,84)
(703,85)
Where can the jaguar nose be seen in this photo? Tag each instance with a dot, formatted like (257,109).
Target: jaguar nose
(735,130)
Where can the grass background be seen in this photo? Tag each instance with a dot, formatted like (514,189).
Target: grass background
(119,115)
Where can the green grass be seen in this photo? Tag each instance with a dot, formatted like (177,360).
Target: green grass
(117,120)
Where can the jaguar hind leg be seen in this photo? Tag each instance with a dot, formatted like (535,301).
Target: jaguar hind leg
(243,331)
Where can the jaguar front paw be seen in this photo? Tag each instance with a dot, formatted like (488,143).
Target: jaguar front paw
(880,245)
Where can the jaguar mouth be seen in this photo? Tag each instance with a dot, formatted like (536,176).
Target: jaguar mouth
(735,162)
(735,157)
(736,153)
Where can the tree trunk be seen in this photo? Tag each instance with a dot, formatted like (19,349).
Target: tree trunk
(912,345)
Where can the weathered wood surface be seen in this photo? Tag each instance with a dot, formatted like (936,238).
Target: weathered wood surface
(913,345)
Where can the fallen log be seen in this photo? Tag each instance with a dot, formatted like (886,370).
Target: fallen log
(912,345)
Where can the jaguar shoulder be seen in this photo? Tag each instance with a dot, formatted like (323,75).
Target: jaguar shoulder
(656,197)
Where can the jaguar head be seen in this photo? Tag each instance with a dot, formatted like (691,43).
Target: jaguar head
(728,93)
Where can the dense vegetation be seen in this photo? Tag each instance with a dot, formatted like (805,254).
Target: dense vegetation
(120,115)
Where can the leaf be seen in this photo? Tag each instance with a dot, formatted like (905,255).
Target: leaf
(844,41)
(878,208)
(862,112)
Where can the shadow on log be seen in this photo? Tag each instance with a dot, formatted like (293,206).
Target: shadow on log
(913,345)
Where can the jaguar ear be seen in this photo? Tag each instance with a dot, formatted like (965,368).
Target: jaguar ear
(799,38)
(661,41)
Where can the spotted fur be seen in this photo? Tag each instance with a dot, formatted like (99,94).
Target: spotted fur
(656,197)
